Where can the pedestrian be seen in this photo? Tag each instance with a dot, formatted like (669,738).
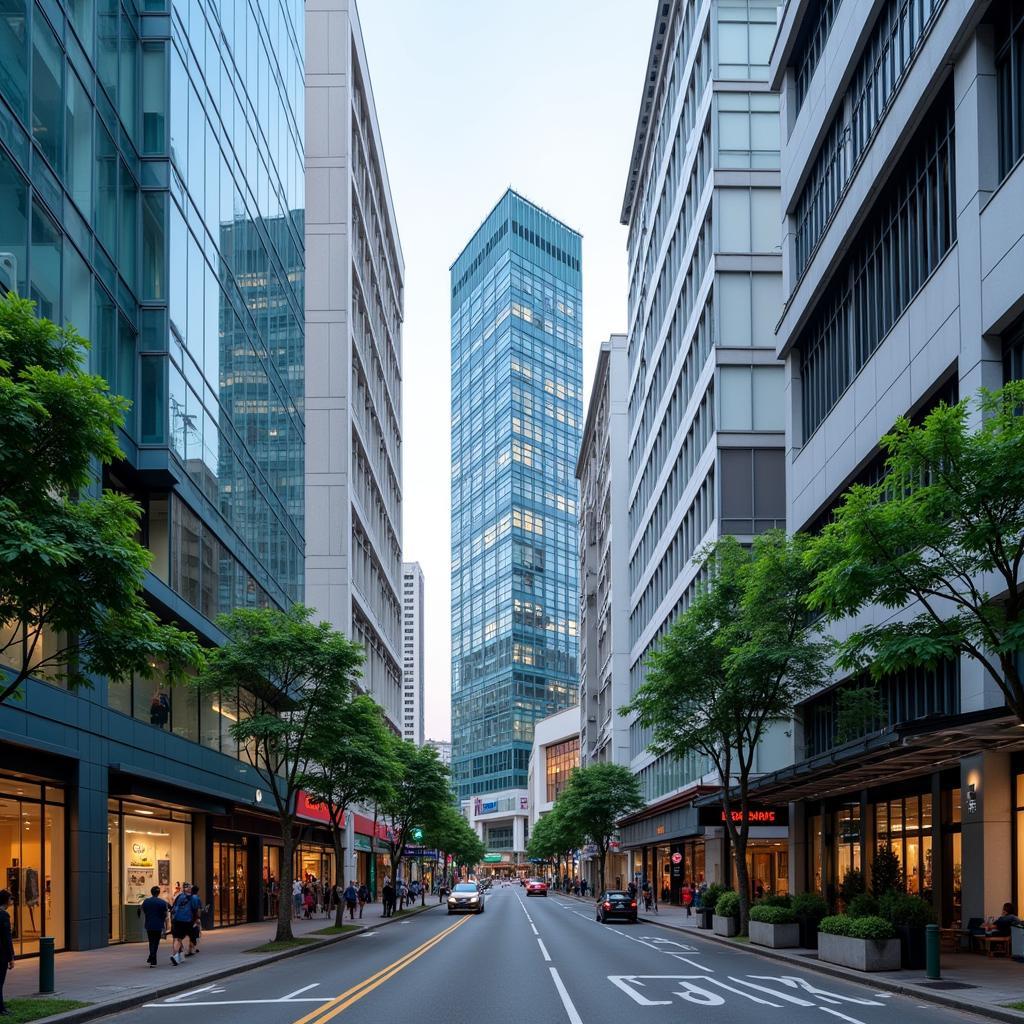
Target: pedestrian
(351,898)
(631,889)
(364,897)
(159,709)
(6,945)
(296,898)
(197,921)
(308,902)
(687,896)
(182,916)
(387,895)
(154,911)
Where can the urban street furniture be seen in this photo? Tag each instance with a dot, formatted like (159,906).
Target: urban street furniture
(995,945)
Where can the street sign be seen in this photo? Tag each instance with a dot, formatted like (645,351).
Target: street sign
(417,835)
(677,858)
(492,858)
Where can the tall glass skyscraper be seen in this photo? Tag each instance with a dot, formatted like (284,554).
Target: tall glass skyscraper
(516,386)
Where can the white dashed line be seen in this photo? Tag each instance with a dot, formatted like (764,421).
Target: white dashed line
(574,1017)
(543,949)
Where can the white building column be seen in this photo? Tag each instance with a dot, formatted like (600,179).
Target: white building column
(987,834)
(519,833)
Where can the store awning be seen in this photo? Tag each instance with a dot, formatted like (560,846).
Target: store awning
(900,752)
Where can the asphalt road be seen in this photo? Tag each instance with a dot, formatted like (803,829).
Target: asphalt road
(538,960)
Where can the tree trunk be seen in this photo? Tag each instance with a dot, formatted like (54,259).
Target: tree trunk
(742,878)
(285,903)
(600,867)
(339,860)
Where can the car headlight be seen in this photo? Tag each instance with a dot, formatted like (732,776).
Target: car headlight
(451,899)
(474,899)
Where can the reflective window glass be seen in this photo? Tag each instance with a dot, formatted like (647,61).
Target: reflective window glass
(47,93)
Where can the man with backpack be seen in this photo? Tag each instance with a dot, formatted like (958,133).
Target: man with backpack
(351,896)
(184,917)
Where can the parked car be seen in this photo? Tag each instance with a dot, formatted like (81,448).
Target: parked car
(536,887)
(615,903)
(466,897)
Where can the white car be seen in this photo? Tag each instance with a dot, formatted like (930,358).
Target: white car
(466,897)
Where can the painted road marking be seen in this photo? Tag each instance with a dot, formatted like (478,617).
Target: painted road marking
(193,992)
(534,927)
(574,1017)
(543,949)
(299,991)
(836,1013)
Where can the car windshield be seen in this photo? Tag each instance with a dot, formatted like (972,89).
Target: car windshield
(614,893)
(465,887)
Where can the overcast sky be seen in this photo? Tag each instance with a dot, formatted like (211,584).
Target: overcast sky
(473,96)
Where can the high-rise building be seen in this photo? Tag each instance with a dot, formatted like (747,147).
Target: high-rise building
(412,652)
(353,396)
(903,218)
(444,750)
(516,384)
(706,422)
(604,559)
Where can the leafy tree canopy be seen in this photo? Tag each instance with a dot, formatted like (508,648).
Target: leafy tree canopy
(71,567)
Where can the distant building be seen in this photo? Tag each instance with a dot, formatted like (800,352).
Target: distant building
(444,750)
(556,752)
(412,653)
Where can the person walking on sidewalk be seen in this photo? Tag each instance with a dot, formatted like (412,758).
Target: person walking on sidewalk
(182,917)
(154,912)
(351,899)
(364,898)
(197,921)
(387,895)
(6,945)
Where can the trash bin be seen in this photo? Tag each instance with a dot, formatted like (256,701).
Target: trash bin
(704,917)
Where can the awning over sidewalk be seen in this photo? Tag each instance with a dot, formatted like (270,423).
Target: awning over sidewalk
(902,751)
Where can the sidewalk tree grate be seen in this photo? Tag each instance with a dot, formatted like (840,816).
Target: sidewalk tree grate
(944,984)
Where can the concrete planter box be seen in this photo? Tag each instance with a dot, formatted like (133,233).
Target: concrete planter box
(727,926)
(775,936)
(860,954)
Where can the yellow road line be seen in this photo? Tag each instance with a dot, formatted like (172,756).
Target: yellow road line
(331,1009)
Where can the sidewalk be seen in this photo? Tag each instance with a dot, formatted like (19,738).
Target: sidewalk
(117,977)
(970,982)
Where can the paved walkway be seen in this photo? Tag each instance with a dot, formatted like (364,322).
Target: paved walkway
(969,981)
(117,974)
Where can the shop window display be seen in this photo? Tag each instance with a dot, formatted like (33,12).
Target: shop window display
(32,850)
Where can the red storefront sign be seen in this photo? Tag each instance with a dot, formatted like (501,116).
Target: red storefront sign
(306,808)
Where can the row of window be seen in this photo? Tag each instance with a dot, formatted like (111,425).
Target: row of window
(1009,34)
(911,227)
(897,35)
(810,44)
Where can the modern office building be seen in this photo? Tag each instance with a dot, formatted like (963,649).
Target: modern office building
(602,471)
(152,193)
(354,310)
(705,454)
(444,750)
(516,383)
(412,652)
(903,243)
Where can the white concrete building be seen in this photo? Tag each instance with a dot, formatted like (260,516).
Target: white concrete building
(903,248)
(556,751)
(353,386)
(706,419)
(412,652)
(444,750)
(501,820)
(602,470)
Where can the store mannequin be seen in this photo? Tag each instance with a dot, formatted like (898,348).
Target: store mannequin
(32,894)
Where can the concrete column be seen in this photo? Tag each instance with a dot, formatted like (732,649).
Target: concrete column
(350,848)
(798,875)
(987,834)
(87,853)
(518,834)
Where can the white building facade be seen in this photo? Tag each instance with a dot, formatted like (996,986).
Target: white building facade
(602,471)
(706,417)
(903,248)
(444,750)
(353,381)
(412,652)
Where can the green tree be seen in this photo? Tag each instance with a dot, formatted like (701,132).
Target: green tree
(593,800)
(422,793)
(735,662)
(943,533)
(71,568)
(351,763)
(451,835)
(554,837)
(280,673)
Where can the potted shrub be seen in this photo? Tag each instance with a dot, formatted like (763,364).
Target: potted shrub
(708,899)
(863,943)
(851,887)
(864,905)
(727,914)
(886,873)
(773,926)
(809,909)
(908,915)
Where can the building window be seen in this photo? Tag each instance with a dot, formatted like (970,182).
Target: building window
(560,759)
(749,306)
(753,489)
(810,45)
(750,398)
(1010,82)
(908,233)
(746,32)
(748,130)
(1013,354)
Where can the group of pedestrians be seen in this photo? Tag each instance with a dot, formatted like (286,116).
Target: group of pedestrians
(312,897)
(399,895)
(182,917)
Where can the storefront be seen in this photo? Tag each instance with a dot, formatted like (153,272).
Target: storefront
(147,845)
(32,851)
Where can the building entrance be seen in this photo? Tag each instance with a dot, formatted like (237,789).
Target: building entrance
(230,883)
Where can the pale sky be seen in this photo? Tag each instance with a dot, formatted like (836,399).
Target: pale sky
(473,96)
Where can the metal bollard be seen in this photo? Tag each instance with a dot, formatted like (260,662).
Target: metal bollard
(931,945)
(46,964)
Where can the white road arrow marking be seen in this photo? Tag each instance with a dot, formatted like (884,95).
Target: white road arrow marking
(624,981)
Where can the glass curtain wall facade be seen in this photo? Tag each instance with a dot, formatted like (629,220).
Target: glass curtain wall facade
(516,422)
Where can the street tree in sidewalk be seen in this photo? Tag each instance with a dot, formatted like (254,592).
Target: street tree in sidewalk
(554,837)
(451,835)
(351,763)
(71,566)
(943,533)
(278,674)
(734,663)
(594,799)
(416,801)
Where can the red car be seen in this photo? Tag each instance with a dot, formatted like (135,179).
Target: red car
(536,887)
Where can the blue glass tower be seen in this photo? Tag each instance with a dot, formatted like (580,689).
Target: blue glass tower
(516,386)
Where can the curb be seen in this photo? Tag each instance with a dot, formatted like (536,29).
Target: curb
(872,980)
(128,1002)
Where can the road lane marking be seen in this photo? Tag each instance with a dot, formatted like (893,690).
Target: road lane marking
(235,1002)
(352,995)
(543,949)
(796,1000)
(619,981)
(574,1017)
(193,992)
(836,1013)
(299,991)
(534,927)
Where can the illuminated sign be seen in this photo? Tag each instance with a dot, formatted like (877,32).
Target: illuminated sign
(306,808)
(765,816)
